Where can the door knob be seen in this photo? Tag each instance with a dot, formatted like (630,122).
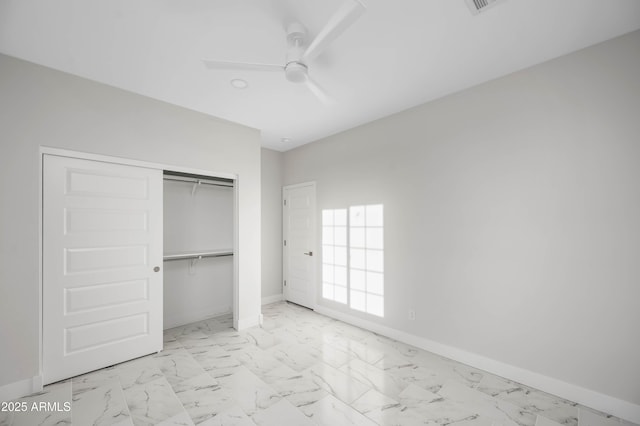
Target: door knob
(156,269)
(309,253)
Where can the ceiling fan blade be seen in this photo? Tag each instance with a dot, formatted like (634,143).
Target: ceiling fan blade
(245,66)
(338,23)
(319,92)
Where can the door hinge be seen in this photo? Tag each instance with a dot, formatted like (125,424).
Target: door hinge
(285,283)
(285,202)
(285,243)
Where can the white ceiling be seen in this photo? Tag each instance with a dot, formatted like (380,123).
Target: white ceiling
(399,54)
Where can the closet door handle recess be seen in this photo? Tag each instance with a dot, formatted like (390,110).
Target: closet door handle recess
(309,253)
(156,269)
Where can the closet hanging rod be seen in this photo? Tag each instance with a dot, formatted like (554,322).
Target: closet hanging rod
(200,181)
(198,255)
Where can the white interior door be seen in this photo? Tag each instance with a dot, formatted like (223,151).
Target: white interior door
(102,254)
(299,243)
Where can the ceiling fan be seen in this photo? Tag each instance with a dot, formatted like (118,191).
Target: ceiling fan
(299,52)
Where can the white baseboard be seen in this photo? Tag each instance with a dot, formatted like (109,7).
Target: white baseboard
(587,397)
(272,299)
(19,389)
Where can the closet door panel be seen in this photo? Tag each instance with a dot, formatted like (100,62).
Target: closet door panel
(102,239)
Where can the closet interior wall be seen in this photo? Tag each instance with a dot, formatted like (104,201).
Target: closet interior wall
(198,218)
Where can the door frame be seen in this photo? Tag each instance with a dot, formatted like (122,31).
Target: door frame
(37,382)
(314,241)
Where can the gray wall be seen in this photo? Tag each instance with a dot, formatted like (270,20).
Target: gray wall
(272,162)
(512,215)
(39,106)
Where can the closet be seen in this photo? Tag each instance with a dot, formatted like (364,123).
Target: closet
(198,247)
(127,250)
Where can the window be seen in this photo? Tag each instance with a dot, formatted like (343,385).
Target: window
(334,255)
(366,271)
(364,283)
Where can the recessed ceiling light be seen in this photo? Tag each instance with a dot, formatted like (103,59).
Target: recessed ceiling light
(239,83)
(285,140)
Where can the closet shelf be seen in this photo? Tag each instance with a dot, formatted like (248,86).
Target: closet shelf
(198,254)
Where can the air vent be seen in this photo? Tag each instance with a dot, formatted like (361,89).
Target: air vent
(477,6)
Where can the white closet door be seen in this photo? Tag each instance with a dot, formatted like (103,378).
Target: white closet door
(102,254)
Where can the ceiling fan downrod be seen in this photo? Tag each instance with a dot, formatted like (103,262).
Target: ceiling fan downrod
(296,71)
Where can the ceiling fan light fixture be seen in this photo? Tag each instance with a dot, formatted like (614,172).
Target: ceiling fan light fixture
(239,83)
(296,72)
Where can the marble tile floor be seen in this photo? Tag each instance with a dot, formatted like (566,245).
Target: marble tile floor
(299,368)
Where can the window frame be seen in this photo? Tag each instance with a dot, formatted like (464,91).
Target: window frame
(364,226)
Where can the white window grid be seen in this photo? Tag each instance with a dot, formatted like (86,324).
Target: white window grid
(366,259)
(334,255)
(358,232)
